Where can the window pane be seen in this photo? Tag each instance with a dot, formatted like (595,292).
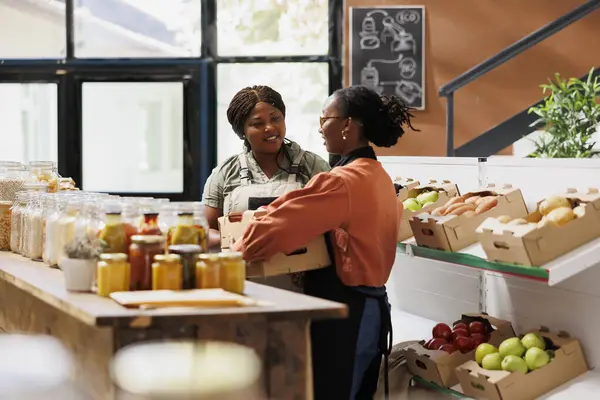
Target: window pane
(303,86)
(32,29)
(272,27)
(29,122)
(133,137)
(137,28)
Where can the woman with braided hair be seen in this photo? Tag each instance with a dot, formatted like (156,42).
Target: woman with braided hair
(356,205)
(269,166)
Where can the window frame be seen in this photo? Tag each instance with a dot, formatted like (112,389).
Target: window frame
(199,75)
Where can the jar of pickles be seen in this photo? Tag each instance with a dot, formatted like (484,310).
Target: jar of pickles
(45,171)
(113,274)
(166,272)
(184,232)
(113,232)
(141,256)
(232,272)
(189,257)
(208,271)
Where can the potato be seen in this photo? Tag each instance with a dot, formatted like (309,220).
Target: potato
(487,205)
(472,199)
(553,202)
(462,209)
(518,221)
(504,219)
(579,211)
(560,216)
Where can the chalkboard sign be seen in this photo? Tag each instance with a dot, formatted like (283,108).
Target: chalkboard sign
(387,51)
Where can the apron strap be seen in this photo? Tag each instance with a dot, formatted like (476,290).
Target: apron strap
(295,167)
(244,180)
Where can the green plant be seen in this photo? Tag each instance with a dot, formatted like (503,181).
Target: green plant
(84,247)
(568,118)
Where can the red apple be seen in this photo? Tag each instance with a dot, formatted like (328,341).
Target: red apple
(456,333)
(436,343)
(464,344)
(448,348)
(460,325)
(427,343)
(442,331)
(477,327)
(478,338)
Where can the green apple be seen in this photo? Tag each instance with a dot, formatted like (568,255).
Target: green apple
(412,204)
(536,358)
(428,197)
(533,340)
(483,350)
(492,362)
(514,364)
(511,347)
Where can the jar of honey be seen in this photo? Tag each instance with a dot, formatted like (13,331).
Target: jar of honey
(113,273)
(208,271)
(232,272)
(166,272)
(141,256)
(189,257)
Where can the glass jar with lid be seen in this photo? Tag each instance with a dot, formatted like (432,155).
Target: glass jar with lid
(12,178)
(16,221)
(5,224)
(189,257)
(184,231)
(34,227)
(113,274)
(113,232)
(65,227)
(232,272)
(45,171)
(53,212)
(149,221)
(207,271)
(141,256)
(166,272)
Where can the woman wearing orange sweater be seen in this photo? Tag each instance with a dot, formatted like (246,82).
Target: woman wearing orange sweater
(356,204)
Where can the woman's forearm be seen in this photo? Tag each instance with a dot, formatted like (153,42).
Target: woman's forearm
(214,239)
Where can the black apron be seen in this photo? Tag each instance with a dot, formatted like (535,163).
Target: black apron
(334,342)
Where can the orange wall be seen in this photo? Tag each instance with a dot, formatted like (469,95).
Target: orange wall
(462,33)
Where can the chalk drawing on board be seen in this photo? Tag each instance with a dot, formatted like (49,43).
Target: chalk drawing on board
(407,90)
(369,75)
(408,68)
(369,35)
(408,16)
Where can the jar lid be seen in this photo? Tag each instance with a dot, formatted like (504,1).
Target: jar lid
(147,239)
(113,257)
(211,257)
(185,249)
(231,255)
(169,258)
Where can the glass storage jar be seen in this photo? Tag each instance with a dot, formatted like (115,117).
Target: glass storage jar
(207,271)
(16,221)
(113,274)
(45,171)
(232,272)
(5,224)
(189,257)
(113,233)
(141,257)
(34,227)
(166,272)
(53,215)
(12,178)
(65,227)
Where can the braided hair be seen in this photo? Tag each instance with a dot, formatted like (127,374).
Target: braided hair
(383,118)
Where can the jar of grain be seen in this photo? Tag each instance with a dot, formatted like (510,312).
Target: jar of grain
(35,226)
(45,171)
(12,178)
(16,221)
(5,211)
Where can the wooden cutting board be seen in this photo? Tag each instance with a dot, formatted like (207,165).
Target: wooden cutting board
(182,298)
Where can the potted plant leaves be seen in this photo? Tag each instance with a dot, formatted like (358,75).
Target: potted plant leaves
(79,262)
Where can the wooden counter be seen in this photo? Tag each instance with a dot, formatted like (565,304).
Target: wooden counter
(33,299)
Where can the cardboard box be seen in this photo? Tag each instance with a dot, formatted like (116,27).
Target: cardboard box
(407,183)
(455,232)
(312,256)
(535,246)
(438,366)
(445,190)
(568,363)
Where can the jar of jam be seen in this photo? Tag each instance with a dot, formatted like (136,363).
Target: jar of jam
(189,257)
(207,271)
(166,272)
(232,272)
(141,256)
(113,273)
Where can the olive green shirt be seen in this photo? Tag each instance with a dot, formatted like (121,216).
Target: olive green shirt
(226,177)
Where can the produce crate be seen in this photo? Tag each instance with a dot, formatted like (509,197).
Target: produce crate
(534,245)
(568,363)
(312,256)
(455,232)
(445,190)
(438,366)
(407,184)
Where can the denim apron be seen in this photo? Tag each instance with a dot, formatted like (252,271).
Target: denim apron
(347,354)
(249,196)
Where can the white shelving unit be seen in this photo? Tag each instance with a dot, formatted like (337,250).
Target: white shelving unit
(424,291)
